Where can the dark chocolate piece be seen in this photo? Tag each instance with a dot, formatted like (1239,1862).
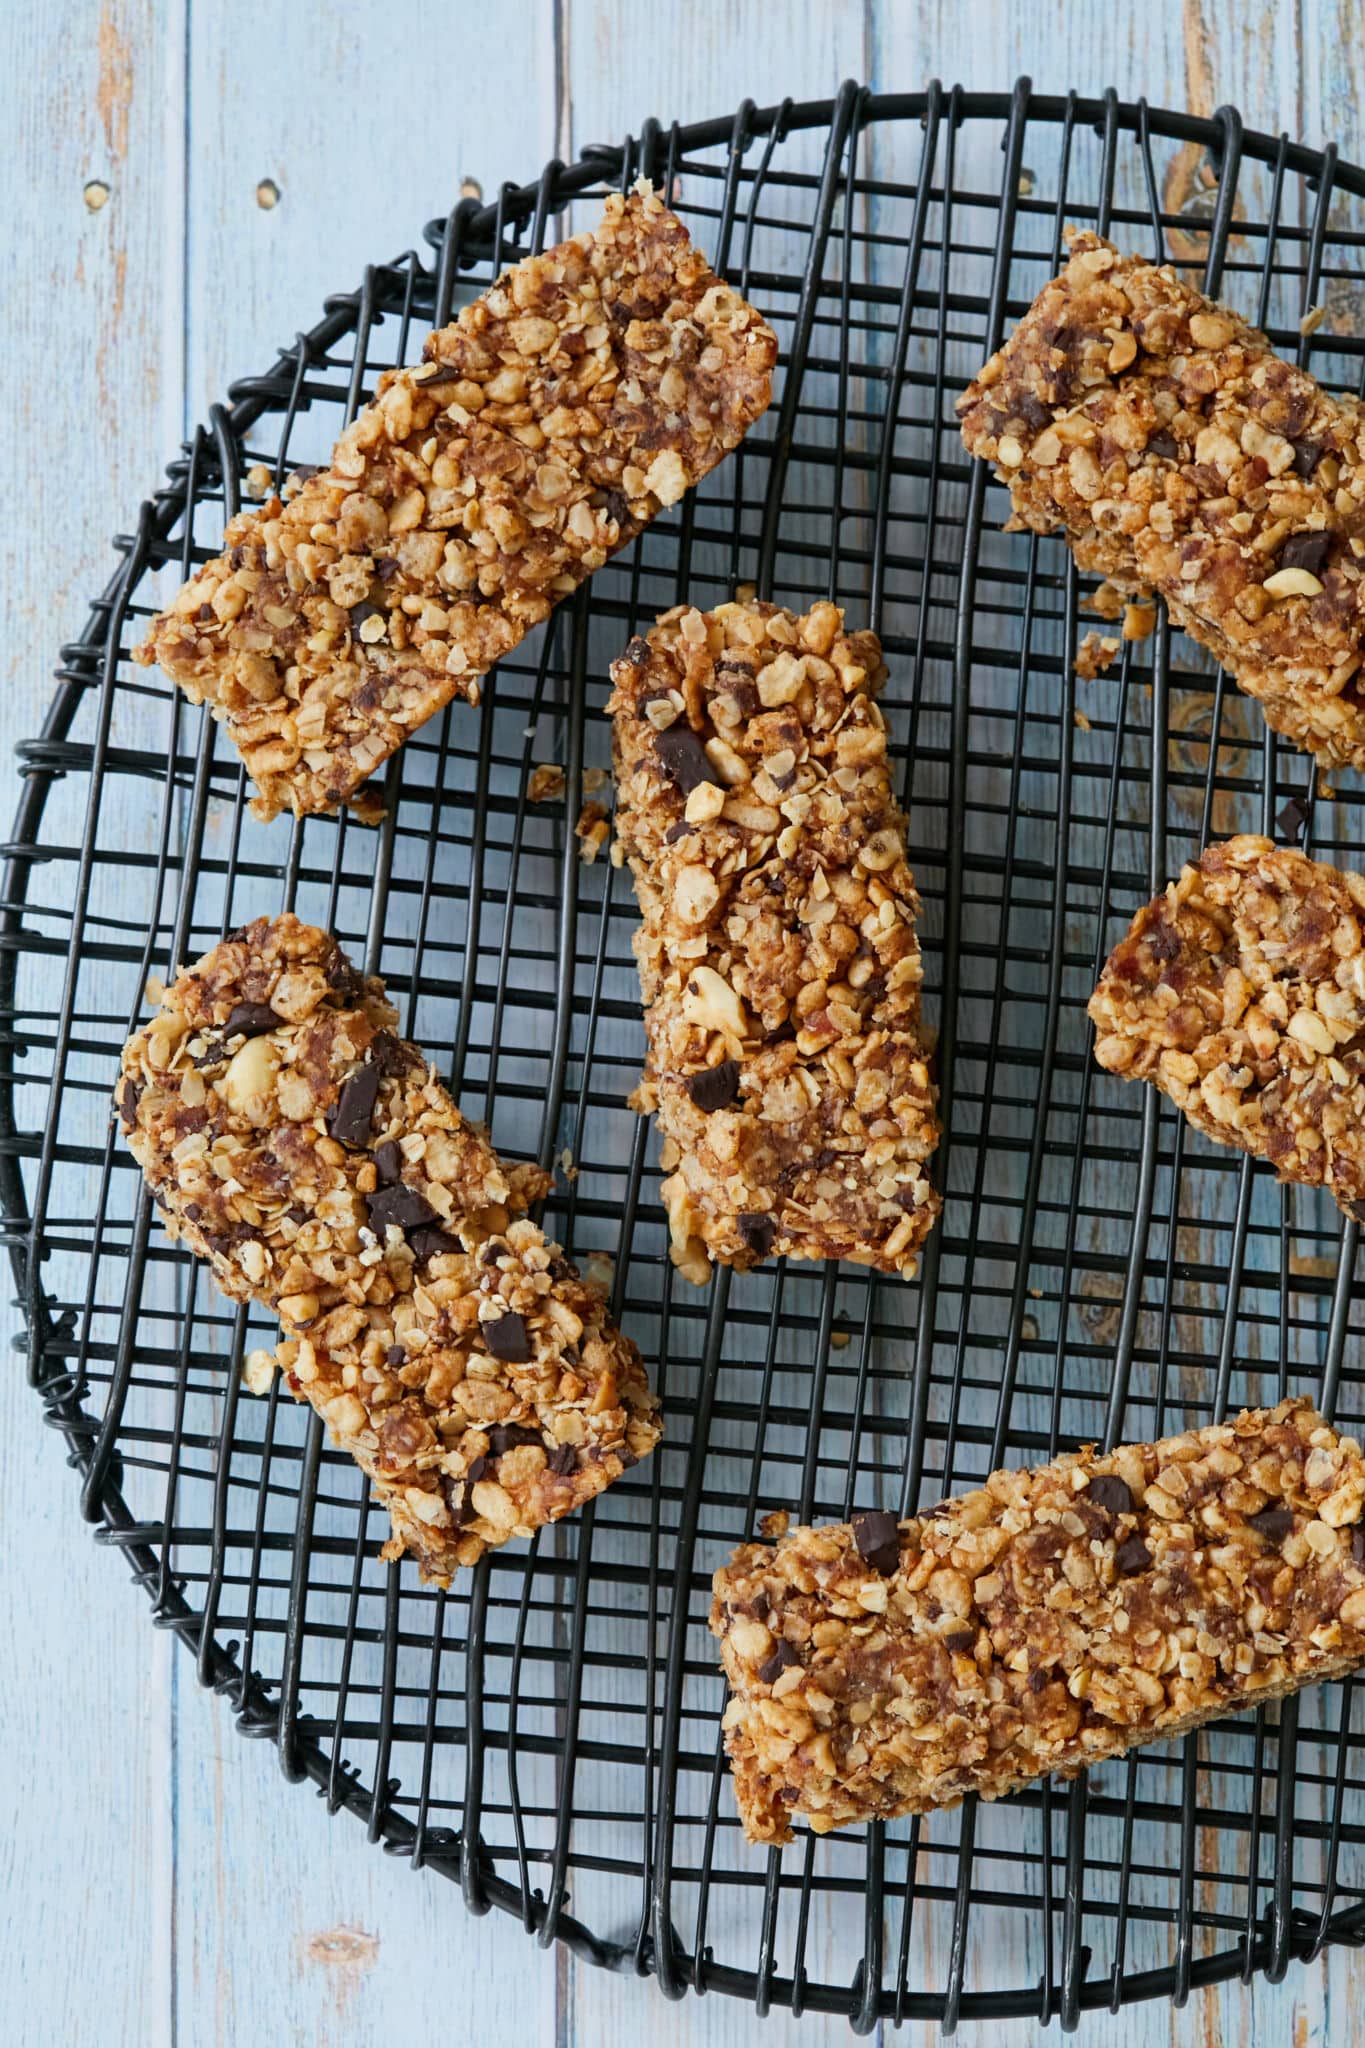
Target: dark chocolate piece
(683,758)
(876,1533)
(508,1339)
(715,1087)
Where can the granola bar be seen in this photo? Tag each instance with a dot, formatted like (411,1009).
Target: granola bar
(1052,1619)
(1178,453)
(1241,993)
(587,389)
(777,950)
(314,1159)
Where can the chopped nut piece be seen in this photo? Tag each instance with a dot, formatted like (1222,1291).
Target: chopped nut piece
(475,491)
(1291,583)
(1240,993)
(258,1371)
(546,783)
(1203,467)
(1048,1621)
(778,957)
(1095,654)
(1105,602)
(591,830)
(452,1350)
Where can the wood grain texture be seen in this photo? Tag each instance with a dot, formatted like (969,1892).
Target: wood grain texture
(84,1698)
(164,1887)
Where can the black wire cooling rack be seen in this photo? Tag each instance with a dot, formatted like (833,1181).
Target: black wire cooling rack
(547,1735)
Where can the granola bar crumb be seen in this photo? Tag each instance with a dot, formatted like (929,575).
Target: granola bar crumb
(1105,601)
(591,831)
(1094,655)
(258,1371)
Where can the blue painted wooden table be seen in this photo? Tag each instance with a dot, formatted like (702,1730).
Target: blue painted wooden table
(187,183)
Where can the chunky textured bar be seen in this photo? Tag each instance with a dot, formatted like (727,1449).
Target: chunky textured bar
(587,389)
(1050,1620)
(313,1158)
(777,952)
(1177,452)
(1241,993)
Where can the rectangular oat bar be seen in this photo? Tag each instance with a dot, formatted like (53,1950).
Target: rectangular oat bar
(1054,1618)
(777,950)
(587,389)
(314,1159)
(1240,992)
(1176,452)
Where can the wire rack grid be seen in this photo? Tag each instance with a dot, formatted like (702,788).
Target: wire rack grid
(547,1734)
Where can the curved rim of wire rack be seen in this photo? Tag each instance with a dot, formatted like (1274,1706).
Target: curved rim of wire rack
(461,239)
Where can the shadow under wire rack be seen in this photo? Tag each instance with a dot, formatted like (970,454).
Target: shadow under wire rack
(547,1735)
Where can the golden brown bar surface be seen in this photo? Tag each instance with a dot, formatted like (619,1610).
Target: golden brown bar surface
(313,1158)
(1176,452)
(1240,992)
(583,392)
(1054,1618)
(777,949)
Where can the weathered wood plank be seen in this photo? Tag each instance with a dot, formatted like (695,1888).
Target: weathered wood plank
(93,373)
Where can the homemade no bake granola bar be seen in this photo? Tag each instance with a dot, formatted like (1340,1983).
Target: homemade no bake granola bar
(587,389)
(1052,1619)
(777,949)
(314,1159)
(1241,993)
(1178,453)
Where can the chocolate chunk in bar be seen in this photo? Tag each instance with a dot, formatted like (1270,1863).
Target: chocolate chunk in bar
(757,1232)
(715,1087)
(877,1535)
(506,1436)
(508,1338)
(1306,551)
(400,1205)
(349,1122)
(782,1659)
(429,1242)
(251,1020)
(683,758)
(1108,1491)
